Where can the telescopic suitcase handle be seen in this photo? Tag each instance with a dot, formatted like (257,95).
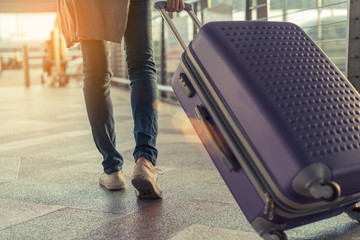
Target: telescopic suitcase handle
(160,6)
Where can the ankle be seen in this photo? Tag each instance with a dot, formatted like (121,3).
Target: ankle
(147,163)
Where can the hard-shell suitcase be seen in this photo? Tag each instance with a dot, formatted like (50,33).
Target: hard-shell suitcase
(277,117)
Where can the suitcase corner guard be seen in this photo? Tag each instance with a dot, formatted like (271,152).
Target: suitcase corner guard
(315,181)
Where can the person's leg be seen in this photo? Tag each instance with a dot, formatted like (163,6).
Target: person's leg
(97,74)
(142,74)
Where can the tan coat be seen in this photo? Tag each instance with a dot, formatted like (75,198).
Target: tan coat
(93,19)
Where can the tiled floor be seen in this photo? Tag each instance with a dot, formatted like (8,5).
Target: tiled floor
(49,171)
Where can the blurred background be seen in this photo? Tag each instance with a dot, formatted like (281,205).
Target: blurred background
(49,62)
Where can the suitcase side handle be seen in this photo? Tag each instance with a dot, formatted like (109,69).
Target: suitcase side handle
(160,6)
(215,139)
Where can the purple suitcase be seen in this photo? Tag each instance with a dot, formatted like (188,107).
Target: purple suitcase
(278,119)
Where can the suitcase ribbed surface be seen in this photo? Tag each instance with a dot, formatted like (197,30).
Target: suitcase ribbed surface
(319,105)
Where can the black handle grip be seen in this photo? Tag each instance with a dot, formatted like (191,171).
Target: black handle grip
(162,5)
(211,135)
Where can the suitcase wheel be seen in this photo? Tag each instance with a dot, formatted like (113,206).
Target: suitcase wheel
(354,212)
(275,235)
(315,181)
(336,191)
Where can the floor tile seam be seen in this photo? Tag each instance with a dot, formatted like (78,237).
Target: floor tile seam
(225,228)
(70,207)
(224,203)
(6,181)
(199,224)
(209,201)
(81,236)
(217,201)
(229,228)
(43,158)
(171,169)
(39,140)
(220,183)
(139,211)
(164,200)
(20,158)
(239,227)
(36,181)
(187,169)
(31,219)
(117,215)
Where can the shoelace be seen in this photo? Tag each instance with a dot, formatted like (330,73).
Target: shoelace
(159,171)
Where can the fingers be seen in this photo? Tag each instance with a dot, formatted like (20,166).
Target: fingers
(170,4)
(175,5)
(181,6)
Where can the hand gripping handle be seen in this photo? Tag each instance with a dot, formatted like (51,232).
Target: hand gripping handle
(160,6)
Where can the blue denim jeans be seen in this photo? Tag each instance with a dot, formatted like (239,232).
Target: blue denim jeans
(143,85)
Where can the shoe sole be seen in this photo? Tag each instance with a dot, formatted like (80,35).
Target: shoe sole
(112,187)
(145,189)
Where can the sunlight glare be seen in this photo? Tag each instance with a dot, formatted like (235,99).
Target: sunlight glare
(26,26)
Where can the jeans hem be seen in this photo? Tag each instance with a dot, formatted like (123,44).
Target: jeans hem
(112,170)
(146,156)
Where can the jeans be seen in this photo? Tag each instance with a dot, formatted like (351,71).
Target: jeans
(143,89)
